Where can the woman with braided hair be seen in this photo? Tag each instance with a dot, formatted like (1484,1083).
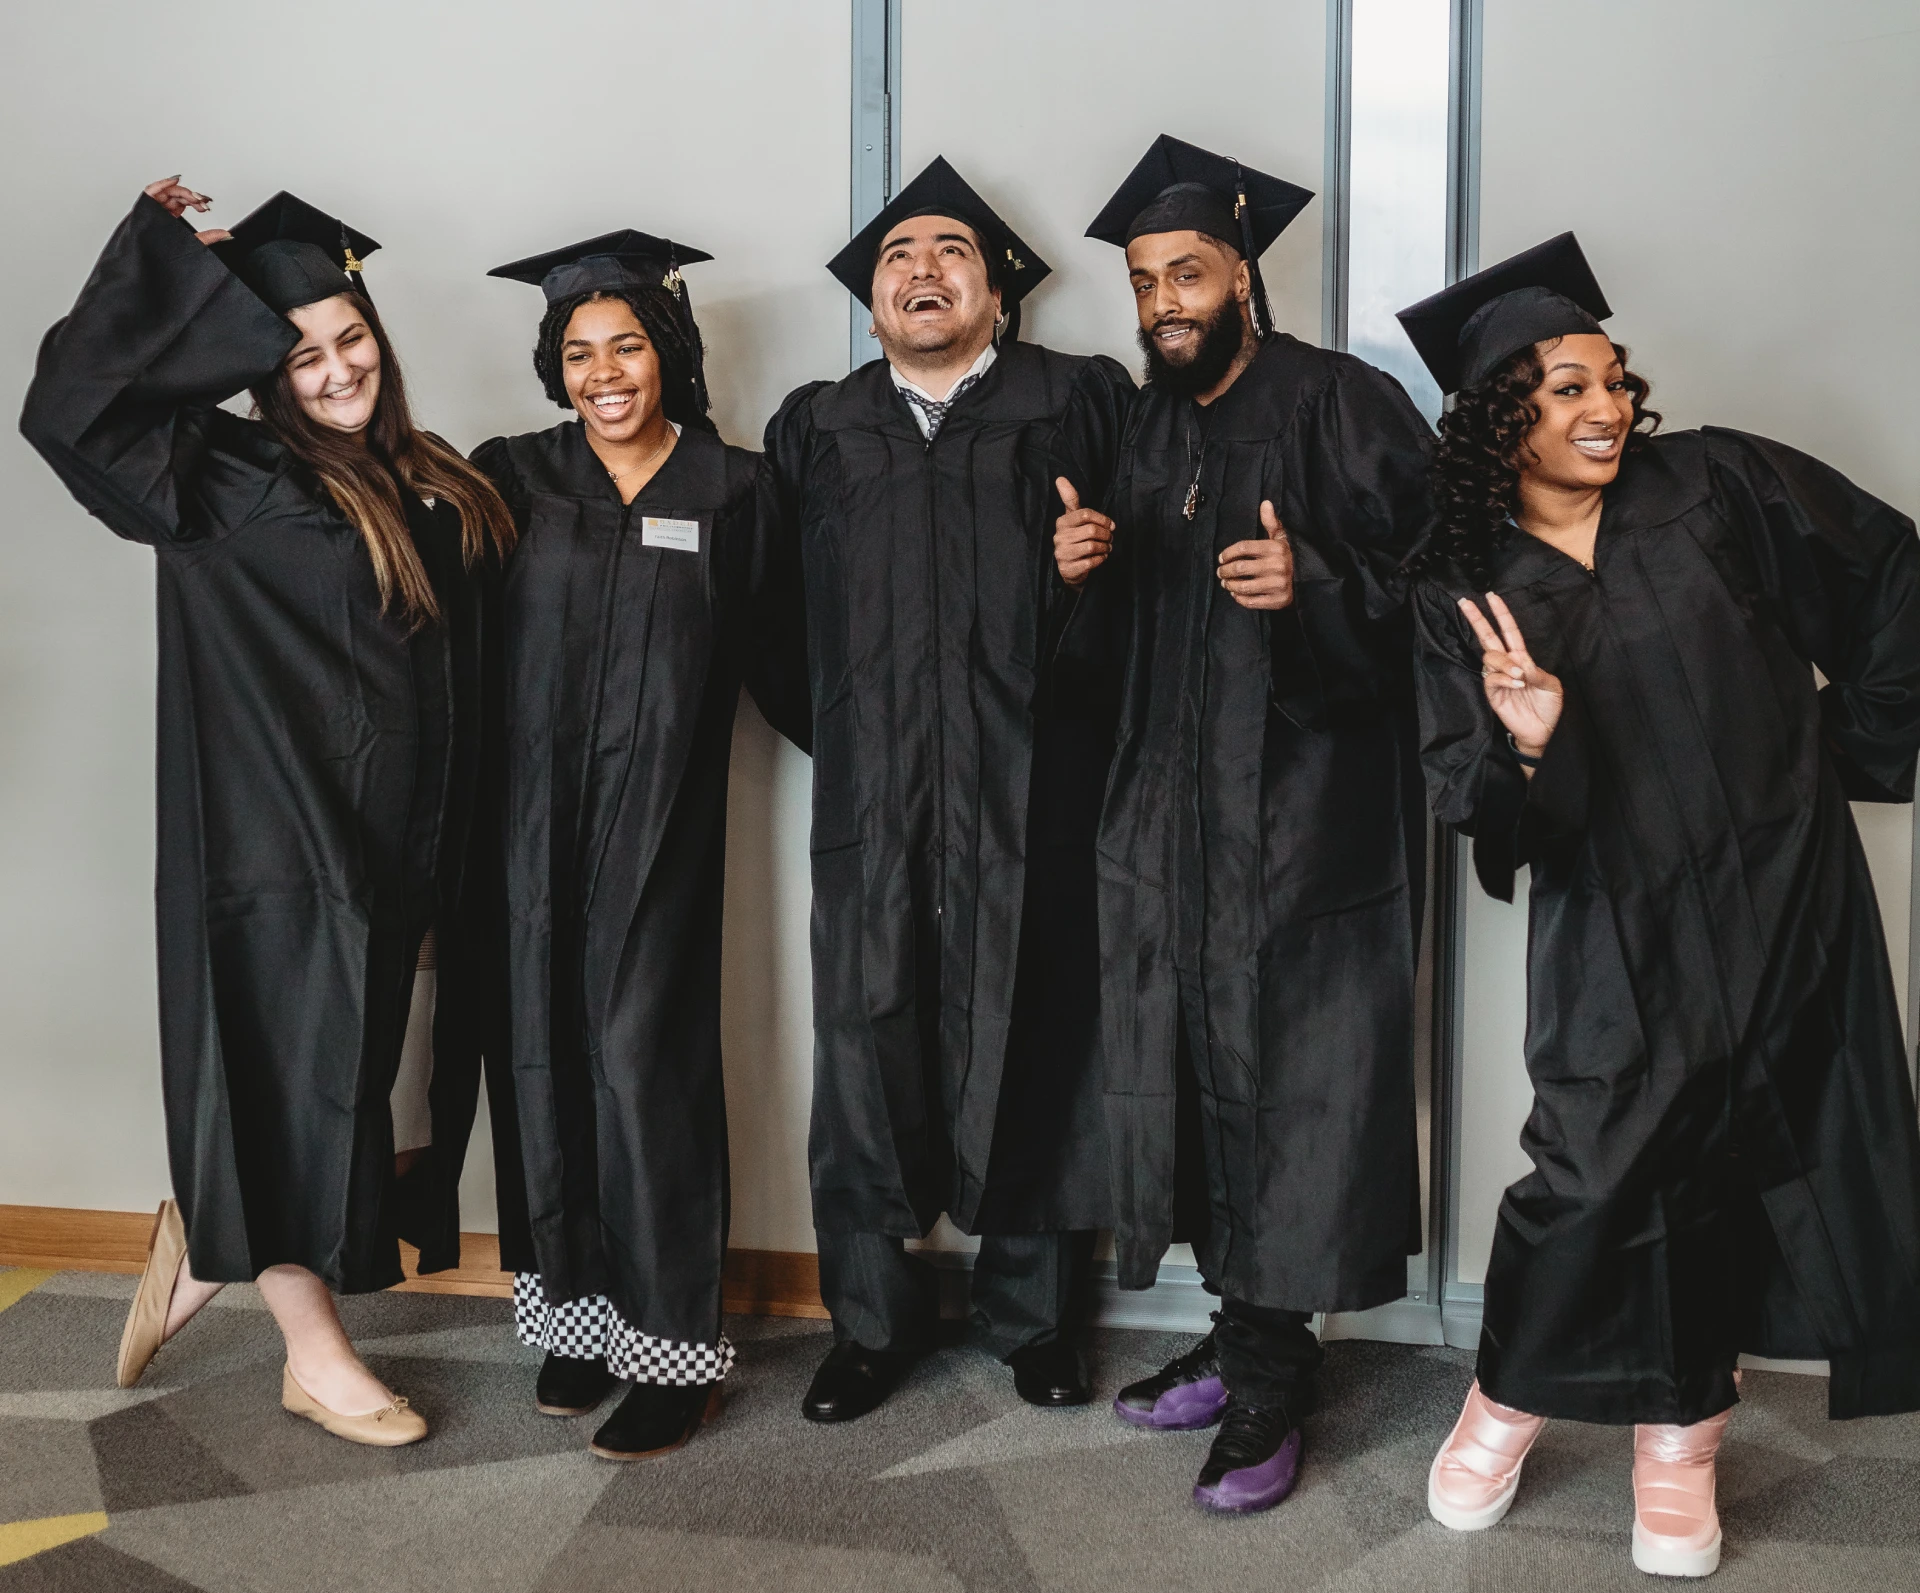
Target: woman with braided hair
(641,598)
(1619,633)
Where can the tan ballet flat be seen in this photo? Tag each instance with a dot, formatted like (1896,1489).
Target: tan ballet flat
(386,1428)
(146,1328)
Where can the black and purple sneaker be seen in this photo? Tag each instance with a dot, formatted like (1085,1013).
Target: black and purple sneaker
(1183,1396)
(1253,1463)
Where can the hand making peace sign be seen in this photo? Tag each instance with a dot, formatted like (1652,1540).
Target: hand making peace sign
(1524,696)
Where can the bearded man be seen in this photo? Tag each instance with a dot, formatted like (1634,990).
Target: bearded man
(959,755)
(1261,852)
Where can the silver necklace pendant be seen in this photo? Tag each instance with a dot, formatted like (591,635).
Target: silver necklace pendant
(1192,506)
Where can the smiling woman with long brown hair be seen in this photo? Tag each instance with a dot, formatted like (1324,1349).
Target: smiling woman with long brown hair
(325,638)
(1619,635)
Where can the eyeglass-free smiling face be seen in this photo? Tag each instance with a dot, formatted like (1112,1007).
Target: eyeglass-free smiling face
(930,290)
(1585,412)
(335,367)
(611,370)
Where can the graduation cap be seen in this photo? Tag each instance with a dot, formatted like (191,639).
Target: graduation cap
(1464,332)
(1180,187)
(614,260)
(292,254)
(941,191)
(611,263)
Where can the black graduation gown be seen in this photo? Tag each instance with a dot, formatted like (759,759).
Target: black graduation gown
(1262,846)
(319,795)
(624,667)
(957,770)
(1723,1131)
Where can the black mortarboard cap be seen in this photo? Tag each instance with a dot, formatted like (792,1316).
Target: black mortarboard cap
(291,254)
(1180,187)
(624,259)
(939,190)
(611,262)
(1464,332)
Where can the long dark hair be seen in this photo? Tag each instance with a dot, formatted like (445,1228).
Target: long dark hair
(675,337)
(364,473)
(1476,468)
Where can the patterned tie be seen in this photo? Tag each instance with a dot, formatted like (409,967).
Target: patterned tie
(935,409)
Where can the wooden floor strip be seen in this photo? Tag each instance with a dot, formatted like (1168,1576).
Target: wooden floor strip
(63,1239)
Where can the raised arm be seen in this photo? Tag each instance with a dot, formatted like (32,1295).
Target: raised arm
(1843,571)
(124,394)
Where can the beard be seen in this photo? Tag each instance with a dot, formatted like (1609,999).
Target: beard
(1221,337)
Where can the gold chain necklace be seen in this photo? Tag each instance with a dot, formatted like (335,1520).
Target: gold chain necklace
(617,476)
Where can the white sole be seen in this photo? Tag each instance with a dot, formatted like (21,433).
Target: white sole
(1466,1520)
(1665,1559)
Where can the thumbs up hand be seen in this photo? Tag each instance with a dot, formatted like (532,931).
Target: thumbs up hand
(1082,538)
(1259,574)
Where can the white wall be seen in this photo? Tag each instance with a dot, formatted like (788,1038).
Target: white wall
(460,136)
(1741,174)
(1044,108)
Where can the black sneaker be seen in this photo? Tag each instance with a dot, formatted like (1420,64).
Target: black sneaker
(1184,1395)
(571,1386)
(1253,1462)
(655,1418)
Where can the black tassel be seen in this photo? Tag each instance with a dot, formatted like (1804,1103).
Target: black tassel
(1257,297)
(696,352)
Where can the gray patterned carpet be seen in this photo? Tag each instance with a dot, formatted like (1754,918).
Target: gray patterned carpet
(197,1480)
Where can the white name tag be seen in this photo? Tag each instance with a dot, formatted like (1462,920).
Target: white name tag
(683,536)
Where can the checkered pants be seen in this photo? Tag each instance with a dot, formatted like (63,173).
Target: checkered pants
(590,1329)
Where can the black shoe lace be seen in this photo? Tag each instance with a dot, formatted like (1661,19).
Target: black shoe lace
(1197,1363)
(1249,1434)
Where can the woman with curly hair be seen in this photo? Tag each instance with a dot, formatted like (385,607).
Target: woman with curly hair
(326,580)
(1619,633)
(641,595)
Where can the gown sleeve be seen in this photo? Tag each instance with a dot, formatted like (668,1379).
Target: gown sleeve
(1474,781)
(773,645)
(776,669)
(1361,503)
(494,460)
(1086,627)
(1842,570)
(124,399)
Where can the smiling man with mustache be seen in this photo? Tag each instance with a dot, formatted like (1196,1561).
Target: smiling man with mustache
(1261,849)
(959,759)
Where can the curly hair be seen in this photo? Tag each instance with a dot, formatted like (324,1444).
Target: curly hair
(1476,468)
(676,344)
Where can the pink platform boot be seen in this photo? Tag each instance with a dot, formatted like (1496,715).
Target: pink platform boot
(1676,1530)
(1477,1472)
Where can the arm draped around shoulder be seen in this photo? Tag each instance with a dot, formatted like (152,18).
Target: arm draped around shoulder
(775,669)
(1842,570)
(124,396)
(1474,782)
(773,634)
(494,460)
